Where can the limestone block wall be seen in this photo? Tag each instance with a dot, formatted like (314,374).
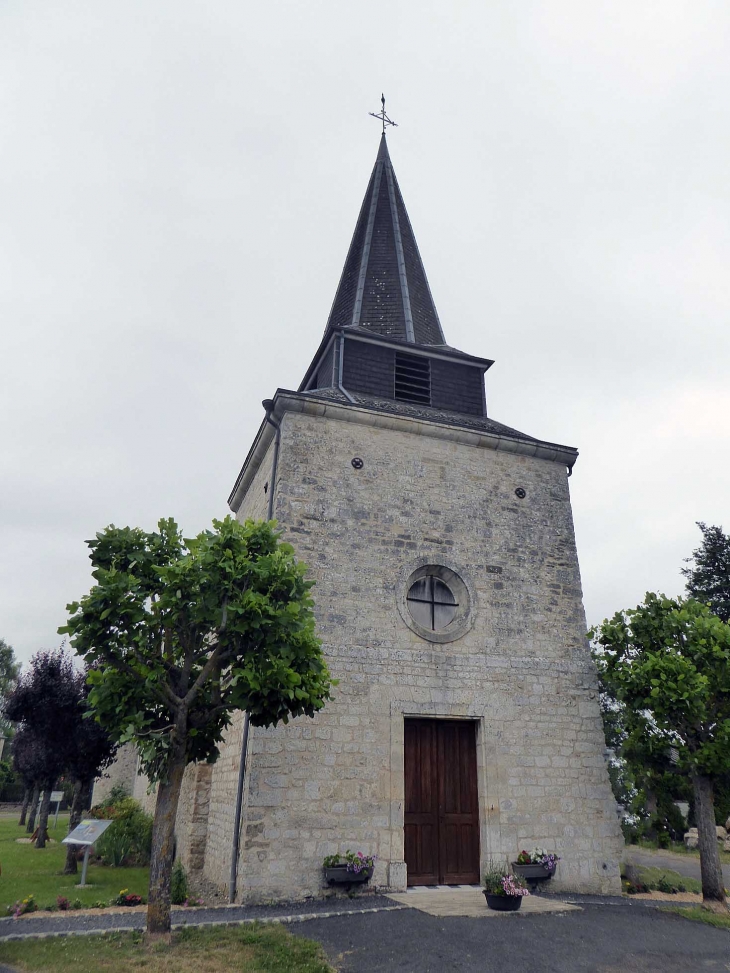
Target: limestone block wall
(522,671)
(224,773)
(122,771)
(191,824)
(222,806)
(146,795)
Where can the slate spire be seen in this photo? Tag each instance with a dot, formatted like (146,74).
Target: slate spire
(383,287)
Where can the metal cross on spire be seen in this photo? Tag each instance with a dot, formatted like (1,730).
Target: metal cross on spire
(382,116)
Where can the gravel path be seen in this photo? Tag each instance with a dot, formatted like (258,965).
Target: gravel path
(71,923)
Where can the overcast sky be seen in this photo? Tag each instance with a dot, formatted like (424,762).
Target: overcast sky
(179,183)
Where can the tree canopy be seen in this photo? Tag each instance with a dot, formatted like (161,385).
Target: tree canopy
(708,580)
(668,661)
(9,672)
(46,704)
(183,632)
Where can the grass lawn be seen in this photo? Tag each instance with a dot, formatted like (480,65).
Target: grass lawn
(27,870)
(242,949)
(652,875)
(699,914)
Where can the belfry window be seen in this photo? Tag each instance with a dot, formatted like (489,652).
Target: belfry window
(431,603)
(413,379)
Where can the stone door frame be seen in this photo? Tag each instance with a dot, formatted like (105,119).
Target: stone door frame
(486,779)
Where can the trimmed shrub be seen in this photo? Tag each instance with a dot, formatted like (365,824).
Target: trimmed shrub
(129,839)
(179,884)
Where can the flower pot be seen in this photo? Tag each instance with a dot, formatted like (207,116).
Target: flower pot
(340,875)
(534,875)
(503,903)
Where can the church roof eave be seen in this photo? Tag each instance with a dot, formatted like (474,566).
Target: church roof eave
(472,431)
(440,351)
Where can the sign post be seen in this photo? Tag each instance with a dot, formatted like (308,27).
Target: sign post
(86,833)
(56,798)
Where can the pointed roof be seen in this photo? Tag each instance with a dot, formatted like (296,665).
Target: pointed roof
(383,287)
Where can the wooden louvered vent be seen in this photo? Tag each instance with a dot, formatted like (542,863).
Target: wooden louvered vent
(413,379)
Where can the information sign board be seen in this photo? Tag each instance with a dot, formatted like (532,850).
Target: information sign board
(56,797)
(87,832)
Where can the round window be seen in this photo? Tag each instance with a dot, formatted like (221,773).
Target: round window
(432,603)
(435,602)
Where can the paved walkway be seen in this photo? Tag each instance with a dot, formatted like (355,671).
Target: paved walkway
(467,901)
(684,864)
(384,934)
(626,938)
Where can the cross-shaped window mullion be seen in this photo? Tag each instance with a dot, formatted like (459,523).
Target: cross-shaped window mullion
(432,601)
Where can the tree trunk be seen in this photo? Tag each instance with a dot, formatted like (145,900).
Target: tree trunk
(30,826)
(163,847)
(24,809)
(42,837)
(713,886)
(71,867)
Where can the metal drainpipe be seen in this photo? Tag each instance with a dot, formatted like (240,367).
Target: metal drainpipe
(268,404)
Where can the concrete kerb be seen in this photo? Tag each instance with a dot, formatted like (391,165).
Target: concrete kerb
(558,905)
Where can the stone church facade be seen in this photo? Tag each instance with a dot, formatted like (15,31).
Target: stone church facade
(465,725)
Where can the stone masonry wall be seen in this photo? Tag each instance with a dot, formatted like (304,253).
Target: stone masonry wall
(224,773)
(191,824)
(522,672)
(122,771)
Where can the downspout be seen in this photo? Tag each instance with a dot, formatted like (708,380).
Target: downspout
(268,404)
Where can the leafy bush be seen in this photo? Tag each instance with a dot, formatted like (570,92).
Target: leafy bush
(18,909)
(664,885)
(499,881)
(129,839)
(355,861)
(638,888)
(114,847)
(62,903)
(127,898)
(631,833)
(179,884)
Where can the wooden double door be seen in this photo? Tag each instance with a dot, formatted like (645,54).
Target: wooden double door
(441,802)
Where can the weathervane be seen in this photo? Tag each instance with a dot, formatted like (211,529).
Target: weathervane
(382,116)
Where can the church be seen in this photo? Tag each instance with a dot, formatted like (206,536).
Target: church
(465,725)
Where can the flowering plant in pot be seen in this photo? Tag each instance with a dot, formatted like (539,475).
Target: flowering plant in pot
(502,890)
(349,869)
(536,866)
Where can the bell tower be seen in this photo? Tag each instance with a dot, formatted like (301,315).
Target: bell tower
(466,724)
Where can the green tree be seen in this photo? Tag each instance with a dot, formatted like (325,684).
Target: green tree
(668,662)
(708,580)
(641,769)
(45,702)
(9,672)
(180,634)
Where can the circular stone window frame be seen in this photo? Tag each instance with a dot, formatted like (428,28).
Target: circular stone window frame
(461,586)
